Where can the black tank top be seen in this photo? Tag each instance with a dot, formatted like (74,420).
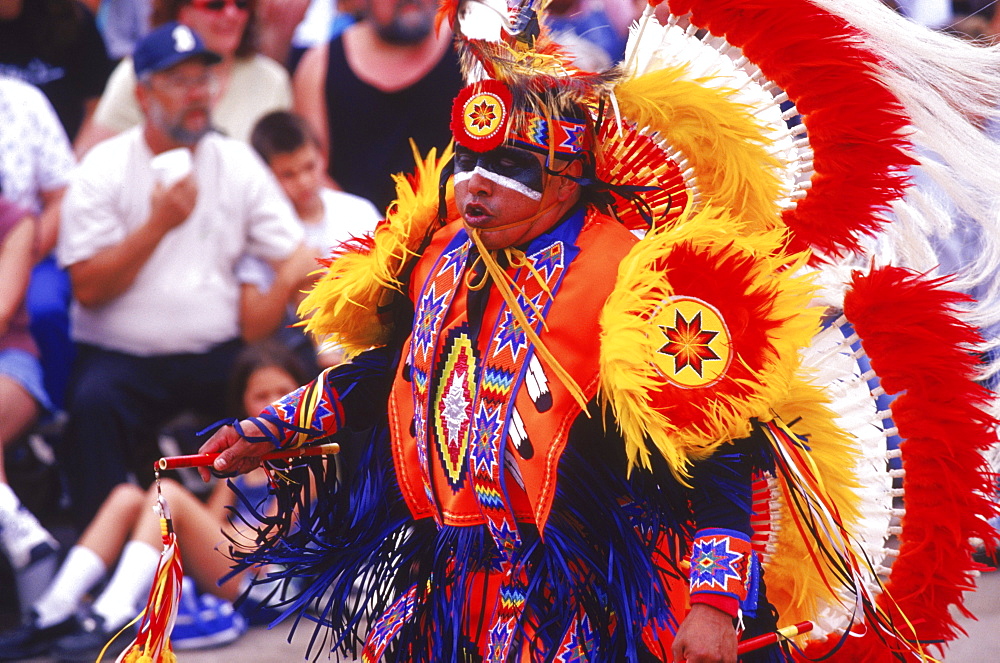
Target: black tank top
(370,130)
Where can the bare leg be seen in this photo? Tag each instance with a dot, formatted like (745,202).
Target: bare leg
(28,546)
(115,521)
(17,411)
(199,534)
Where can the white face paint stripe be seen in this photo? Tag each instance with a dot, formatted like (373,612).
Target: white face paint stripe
(499,180)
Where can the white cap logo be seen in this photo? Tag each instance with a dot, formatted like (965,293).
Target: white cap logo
(183,39)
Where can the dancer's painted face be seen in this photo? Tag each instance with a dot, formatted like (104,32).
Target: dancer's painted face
(502,193)
(496,190)
(510,167)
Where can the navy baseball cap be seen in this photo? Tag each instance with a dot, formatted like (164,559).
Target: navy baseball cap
(168,45)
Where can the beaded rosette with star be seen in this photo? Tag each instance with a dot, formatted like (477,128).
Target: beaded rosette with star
(700,337)
(720,563)
(480,115)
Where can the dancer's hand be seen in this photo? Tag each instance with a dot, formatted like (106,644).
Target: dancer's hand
(706,635)
(236,454)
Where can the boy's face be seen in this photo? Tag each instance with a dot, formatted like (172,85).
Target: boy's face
(300,174)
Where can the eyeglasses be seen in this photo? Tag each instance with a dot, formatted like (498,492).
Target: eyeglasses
(220,5)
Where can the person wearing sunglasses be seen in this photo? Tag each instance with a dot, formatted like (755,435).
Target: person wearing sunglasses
(250,84)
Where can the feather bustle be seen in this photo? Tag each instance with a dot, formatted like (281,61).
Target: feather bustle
(856,125)
(920,349)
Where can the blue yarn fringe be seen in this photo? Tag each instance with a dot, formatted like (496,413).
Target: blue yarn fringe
(344,546)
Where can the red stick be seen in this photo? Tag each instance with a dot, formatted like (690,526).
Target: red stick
(204,460)
(768,639)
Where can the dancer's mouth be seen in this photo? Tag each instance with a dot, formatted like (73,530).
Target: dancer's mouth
(476,215)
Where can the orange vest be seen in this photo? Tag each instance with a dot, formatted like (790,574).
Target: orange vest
(451,399)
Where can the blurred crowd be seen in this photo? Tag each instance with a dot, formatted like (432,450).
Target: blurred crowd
(170,173)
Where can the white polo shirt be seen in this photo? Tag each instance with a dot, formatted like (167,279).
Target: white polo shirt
(186,297)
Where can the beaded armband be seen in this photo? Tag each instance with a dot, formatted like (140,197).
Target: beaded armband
(721,561)
(306,414)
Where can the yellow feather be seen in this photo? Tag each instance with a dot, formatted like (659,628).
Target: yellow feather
(796,588)
(628,373)
(343,305)
(723,143)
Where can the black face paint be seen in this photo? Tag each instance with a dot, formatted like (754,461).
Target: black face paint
(509,163)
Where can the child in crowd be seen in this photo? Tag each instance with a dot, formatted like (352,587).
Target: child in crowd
(127,529)
(329,217)
(30,549)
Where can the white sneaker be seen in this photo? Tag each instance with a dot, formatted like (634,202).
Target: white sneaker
(23,538)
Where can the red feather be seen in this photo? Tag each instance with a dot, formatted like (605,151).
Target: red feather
(856,126)
(921,350)
(362,245)
(446,14)
(729,281)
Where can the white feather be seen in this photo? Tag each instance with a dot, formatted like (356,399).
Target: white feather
(715,63)
(832,363)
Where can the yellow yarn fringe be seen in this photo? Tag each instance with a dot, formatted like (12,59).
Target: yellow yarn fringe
(722,141)
(629,378)
(136,655)
(796,588)
(342,307)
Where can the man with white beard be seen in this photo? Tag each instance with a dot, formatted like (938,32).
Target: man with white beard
(153,223)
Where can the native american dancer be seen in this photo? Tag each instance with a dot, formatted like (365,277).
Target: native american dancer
(599,411)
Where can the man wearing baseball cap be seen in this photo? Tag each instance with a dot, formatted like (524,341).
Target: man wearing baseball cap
(153,224)
(177,85)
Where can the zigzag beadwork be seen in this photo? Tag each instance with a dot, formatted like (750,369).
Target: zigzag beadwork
(386,627)
(578,642)
(538,132)
(496,383)
(495,397)
(512,597)
(503,358)
(489,498)
(429,316)
(308,413)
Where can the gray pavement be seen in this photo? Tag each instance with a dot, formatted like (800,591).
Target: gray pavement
(982,642)
(260,645)
(981,645)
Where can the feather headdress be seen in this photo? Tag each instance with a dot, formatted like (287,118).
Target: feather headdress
(743,139)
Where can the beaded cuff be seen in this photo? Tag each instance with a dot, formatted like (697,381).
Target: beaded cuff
(306,414)
(720,565)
